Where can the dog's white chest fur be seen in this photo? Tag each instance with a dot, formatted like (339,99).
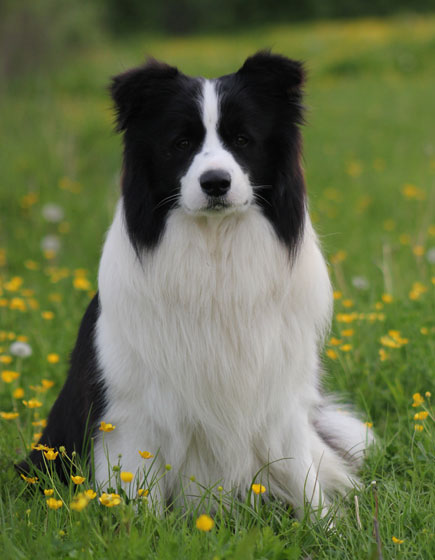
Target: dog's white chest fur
(208,349)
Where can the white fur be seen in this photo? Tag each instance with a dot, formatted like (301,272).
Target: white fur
(213,155)
(209,350)
(208,346)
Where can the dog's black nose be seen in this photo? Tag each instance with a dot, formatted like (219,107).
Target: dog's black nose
(215,182)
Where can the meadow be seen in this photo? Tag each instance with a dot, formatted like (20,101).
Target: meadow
(370,169)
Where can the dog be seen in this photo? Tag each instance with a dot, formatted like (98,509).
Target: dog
(202,343)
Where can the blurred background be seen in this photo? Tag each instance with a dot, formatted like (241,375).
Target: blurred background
(35,33)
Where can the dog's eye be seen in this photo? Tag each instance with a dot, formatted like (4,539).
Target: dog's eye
(241,141)
(183,144)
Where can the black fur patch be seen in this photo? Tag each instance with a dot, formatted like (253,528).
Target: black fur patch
(80,404)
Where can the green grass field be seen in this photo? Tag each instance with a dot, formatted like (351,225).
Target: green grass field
(370,167)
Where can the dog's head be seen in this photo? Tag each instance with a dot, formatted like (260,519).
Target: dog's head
(212,147)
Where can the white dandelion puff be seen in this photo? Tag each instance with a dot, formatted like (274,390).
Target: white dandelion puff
(50,243)
(53,213)
(20,349)
(430,255)
(360,283)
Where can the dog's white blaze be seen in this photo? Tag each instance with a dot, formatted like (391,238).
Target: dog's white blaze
(213,155)
(209,352)
(210,114)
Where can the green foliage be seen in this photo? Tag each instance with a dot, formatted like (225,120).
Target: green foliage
(199,16)
(370,165)
(34,34)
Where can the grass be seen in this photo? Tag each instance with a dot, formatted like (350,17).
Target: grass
(370,165)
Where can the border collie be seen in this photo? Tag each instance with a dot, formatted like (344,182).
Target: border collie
(202,344)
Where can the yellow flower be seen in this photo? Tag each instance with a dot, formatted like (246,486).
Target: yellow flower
(110,500)
(32,403)
(258,489)
(146,454)
(339,257)
(428,394)
(424,330)
(47,383)
(90,494)
(383,355)
(40,447)
(106,427)
(397,541)
(347,332)
(337,294)
(31,265)
(52,503)
(47,315)
(48,492)
(14,284)
(418,427)
(18,393)
(67,184)
(126,476)
(80,272)
(18,303)
(418,250)
(346,317)
(421,415)
(335,341)
(143,492)
(393,340)
(9,376)
(354,168)
(332,354)
(30,479)
(52,358)
(412,192)
(51,455)
(417,290)
(204,523)
(368,424)
(79,502)
(81,283)
(5,359)
(347,303)
(78,479)
(9,415)
(42,423)
(418,399)
(22,338)
(346,347)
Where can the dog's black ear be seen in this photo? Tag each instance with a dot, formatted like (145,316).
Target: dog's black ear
(265,68)
(130,89)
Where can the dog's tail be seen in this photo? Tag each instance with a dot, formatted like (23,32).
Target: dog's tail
(344,432)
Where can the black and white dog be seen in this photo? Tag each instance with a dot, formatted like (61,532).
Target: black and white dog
(202,344)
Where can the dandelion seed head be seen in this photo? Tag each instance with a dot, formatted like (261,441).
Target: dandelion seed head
(53,213)
(51,243)
(20,349)
(360,283)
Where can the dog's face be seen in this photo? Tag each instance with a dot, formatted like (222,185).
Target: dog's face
(211,147)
